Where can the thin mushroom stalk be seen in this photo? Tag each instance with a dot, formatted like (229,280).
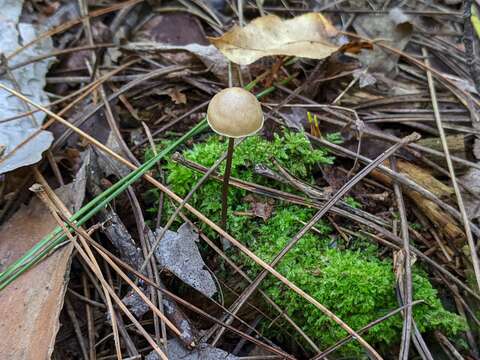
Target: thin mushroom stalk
(226,179)
(233,113)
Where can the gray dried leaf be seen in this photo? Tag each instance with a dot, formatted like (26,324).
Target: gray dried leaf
(109,165)
(395,26)
(135,303)
(364,77)
(472,180)
(178,253)
(208,55)
(295,118)
(202,352)
(31,81)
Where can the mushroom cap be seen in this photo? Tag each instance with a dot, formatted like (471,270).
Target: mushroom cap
(235,112)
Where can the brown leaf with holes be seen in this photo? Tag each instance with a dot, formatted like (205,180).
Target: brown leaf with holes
(307,36)
(259,208)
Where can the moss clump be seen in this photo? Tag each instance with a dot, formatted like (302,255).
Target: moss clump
(354,283)
(358,290)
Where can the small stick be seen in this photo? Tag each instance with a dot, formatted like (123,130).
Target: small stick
(451,170)
(76,327)
(349,338)
(404,279)
(90,320)
(447,345)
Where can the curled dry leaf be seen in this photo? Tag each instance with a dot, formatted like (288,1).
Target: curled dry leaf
(308,36)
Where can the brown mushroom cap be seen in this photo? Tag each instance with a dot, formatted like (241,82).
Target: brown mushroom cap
(235,112)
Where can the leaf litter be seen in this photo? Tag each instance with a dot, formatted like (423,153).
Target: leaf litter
(30,80)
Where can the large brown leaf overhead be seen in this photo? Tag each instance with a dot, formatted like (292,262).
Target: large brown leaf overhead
(308,36)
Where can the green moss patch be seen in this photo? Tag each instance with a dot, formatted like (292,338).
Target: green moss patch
(354,283)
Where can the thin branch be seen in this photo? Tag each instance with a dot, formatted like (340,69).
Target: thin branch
(451,170)
(367,327)
(405,277)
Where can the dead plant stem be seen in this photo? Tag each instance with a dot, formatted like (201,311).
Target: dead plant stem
(451,170)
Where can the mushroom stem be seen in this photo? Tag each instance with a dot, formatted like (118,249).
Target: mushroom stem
(226,178)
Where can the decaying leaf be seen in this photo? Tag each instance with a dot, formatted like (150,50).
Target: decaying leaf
(204,351)
(395,27)
(261,209)
(177,96)
(208,55)
(31,305)
(306,36)
(472,180)
(30,80)
(178,253)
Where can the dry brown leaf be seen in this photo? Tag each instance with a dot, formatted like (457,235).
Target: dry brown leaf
(306,36)
(31,305)
(177,96)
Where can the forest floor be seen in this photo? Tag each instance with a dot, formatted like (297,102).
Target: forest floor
(345,226)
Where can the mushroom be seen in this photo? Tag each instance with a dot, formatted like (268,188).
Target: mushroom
(233,113)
